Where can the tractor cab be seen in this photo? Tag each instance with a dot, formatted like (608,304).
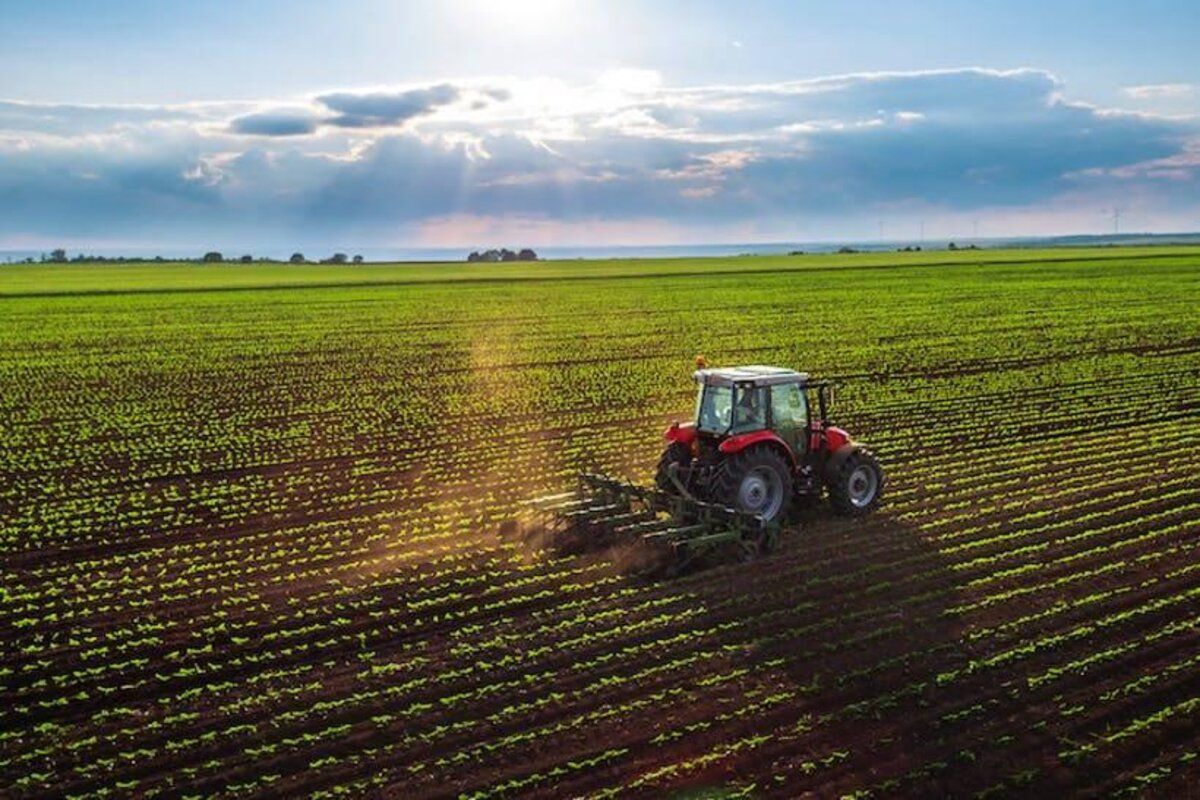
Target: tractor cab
(744,400)
(761,435)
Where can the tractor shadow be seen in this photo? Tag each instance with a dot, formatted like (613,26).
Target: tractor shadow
(878,588)
(855,617)
(847,611)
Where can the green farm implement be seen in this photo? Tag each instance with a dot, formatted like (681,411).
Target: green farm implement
(679,529)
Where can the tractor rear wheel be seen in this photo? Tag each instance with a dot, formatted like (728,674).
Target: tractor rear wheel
(757,481)
(677,455)
(855,483)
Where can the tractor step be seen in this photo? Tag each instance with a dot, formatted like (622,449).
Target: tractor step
(603,511)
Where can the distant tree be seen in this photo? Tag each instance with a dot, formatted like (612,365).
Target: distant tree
(952,246)
(247,259)
(507,255)
(213,256)
(59,255)
(338,258)
(158,258)
(297,258)
(474,256)
(847,250)
(526,255)
(357,259)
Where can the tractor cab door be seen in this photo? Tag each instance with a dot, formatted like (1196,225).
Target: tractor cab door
(789,416)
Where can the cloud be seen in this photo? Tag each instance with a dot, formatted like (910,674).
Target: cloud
(817,158)
(1156,91)
(62,119)
(278,122)
(377,109)
(362,110)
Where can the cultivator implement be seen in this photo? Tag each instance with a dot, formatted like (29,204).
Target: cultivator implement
(679,530)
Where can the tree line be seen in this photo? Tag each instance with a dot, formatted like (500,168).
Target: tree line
(503,254)
(59,256)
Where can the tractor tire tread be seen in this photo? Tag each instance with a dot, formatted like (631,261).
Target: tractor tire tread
(838,483)
(729,480)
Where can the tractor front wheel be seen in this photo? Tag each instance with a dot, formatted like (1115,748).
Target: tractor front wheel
(677,455)
(855,482)
(757,481)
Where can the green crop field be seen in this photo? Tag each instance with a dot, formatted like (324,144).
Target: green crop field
(253,534)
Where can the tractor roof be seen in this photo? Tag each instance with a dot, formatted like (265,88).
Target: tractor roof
(756,374)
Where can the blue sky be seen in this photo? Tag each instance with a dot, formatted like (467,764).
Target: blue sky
(465,122)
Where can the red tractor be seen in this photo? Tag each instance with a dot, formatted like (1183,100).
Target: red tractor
(756,444)
(727,480)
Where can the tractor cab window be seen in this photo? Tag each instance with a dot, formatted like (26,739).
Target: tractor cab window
(749,409)
(788,405)
(722,409)
(714,406)
(789,414)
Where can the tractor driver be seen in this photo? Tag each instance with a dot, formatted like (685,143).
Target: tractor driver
(749,411)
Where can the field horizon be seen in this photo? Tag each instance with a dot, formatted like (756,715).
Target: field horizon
(115,277)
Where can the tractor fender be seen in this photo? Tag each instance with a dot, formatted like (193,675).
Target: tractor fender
(836,438)
(684,433)
(736,444)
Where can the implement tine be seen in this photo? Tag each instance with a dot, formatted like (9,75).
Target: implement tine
(598,511)
(676,534)
(650,527)
(627,517)
(565,505)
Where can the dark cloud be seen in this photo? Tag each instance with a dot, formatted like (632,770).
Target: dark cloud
(357,110)
(275,123)
(93,190)
(960,161)
(379,109)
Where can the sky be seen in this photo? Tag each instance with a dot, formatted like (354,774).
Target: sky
(367,124)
